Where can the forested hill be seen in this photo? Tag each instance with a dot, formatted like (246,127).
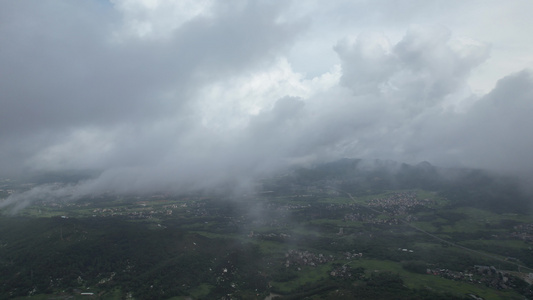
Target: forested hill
(472,187)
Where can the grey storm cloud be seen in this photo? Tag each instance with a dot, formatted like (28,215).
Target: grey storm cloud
(180,95)
(63,71)
(496,131)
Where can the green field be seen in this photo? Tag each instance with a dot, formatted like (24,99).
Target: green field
(203,247)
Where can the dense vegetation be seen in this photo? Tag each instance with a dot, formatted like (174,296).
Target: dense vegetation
(338,231)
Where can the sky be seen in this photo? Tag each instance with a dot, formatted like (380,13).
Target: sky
(178,95)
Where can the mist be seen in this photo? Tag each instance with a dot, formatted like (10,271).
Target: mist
(177,96)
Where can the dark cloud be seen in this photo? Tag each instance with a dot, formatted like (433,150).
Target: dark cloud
(212,98)
(495,132)
(64,71)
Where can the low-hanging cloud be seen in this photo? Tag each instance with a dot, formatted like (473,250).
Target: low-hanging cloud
(212,97)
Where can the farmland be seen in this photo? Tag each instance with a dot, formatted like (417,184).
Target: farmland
(306,241)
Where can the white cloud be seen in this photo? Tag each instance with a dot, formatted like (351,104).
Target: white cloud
(228,104)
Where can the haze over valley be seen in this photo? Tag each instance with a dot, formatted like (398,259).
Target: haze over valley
(177,149)
(173,95)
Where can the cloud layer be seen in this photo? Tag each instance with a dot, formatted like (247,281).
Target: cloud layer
(174,95)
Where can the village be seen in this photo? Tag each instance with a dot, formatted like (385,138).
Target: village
(308,232)
(485,275)
(523,232)
(399,203)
